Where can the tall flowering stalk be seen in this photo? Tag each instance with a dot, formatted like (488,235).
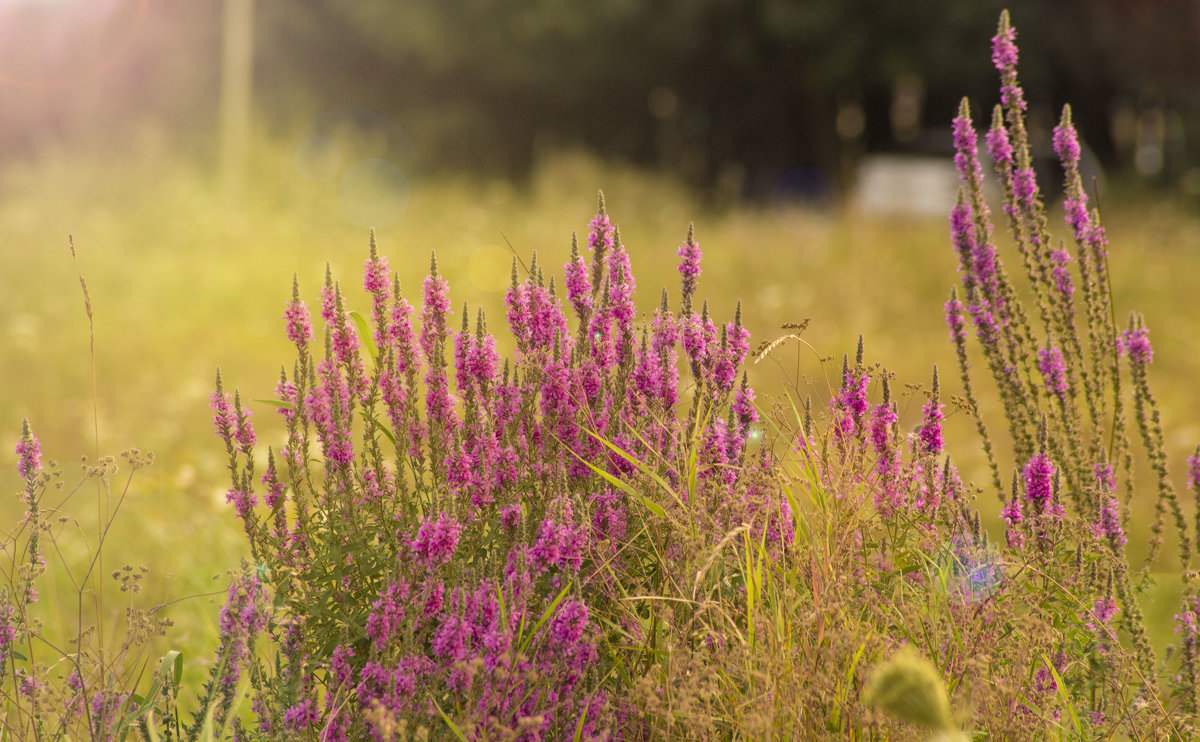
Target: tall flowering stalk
(1062,397)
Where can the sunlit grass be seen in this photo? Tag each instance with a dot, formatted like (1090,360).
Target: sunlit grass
(182,280)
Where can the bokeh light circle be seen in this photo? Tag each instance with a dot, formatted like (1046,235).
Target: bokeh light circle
(318,158)
(351,164)
(490,268)
(373,193)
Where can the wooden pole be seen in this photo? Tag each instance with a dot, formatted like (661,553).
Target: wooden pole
(237,67)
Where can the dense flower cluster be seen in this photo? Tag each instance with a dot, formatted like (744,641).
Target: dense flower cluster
(503,459)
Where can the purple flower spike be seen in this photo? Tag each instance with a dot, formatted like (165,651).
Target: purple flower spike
(955,321)
(1004,57)
(1108,525)
(1054,369)
(299,322)
(579,287)
(1193,463)
(966,147)
(1136,343)
(1102,613)
(999,145)
(436,541)
(436,310)
(689,268)
(930,432)
(29,452)
(1004,47)
(1066,140)
(1039,482)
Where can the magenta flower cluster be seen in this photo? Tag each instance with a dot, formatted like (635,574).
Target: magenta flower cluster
(458,497)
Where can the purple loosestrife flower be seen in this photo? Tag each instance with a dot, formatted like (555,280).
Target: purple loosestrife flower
(436,295)
(401,334)
(569,622)
(850,403)
(1054,369)
(930,431)
(600,335)
(242,617)
(328,404)
(663,335)
(439,404)
(954,321)
(297,319)
(302,716)
(620,299)
(699,336)
(1193,478)
(1060,261)
(646,371)
(1187,621)
(344,341)
(1012,514)
(224,418)
(999,144)
(435,541)
(245,435)
(689,268)
(387,614)
(1099,619)
(1066,140)
(738,338)
(29,453)
(743,405)
(1135,342)
(966,147)
(375,277)
(1105,477)
(1004,57)
(1108,526)
(724,373)
(1025,188)
(559,544)
(890,498)
(8,630)
(579,288)
(483,360)
(1039,482)
(600,229)
(243,502)
(962,236)
(462,345)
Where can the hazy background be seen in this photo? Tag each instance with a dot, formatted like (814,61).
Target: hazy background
(203,152)
(740,97)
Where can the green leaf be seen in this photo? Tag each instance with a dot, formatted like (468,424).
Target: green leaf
(638,463)
(378,426)
(364,334)
(579,727)
(173,660)
(546,616)
(652,506)
(1063,696)
(276,403)
(453,727)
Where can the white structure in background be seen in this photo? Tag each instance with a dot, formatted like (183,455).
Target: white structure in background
(905,185)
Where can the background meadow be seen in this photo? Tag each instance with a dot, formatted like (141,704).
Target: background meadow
(181,281)
(187,272)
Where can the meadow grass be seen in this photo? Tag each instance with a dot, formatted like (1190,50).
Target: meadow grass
(181,278)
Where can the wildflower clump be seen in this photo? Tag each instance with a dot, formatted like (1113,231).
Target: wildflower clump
(451,538)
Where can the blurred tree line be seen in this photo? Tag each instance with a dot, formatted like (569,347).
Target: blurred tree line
(719,91)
